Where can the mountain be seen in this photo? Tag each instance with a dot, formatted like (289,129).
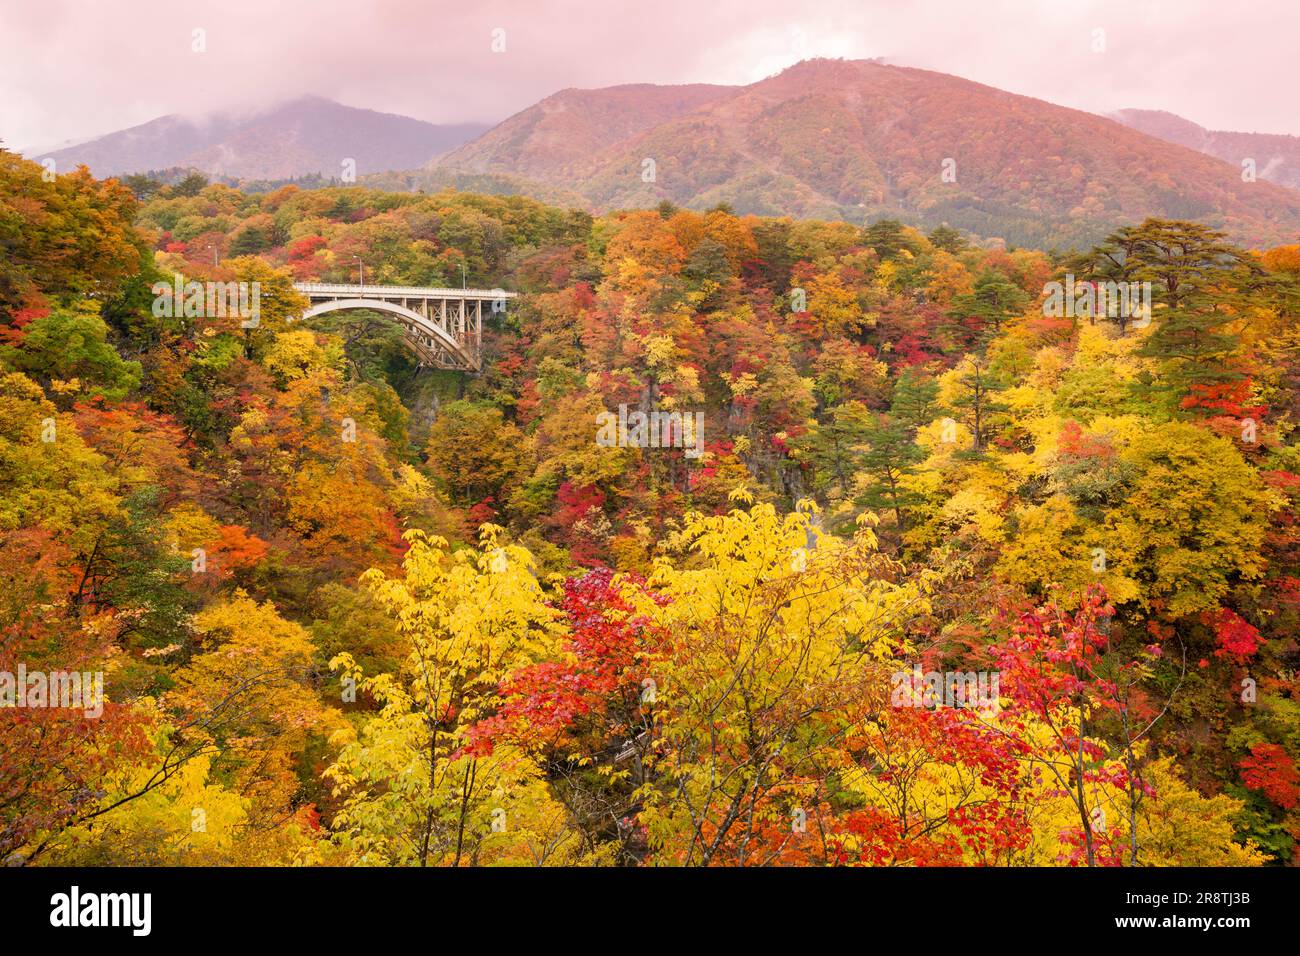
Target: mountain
(303,137)
(1276,156)
(860,139)
(558,137)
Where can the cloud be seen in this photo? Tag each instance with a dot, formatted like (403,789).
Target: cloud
(71,69)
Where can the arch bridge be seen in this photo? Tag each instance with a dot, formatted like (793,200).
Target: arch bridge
(443,326)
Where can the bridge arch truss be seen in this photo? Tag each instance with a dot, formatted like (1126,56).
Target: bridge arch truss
(444,327)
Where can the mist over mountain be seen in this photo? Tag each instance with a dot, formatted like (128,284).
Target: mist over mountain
(1276,156)
(306,136)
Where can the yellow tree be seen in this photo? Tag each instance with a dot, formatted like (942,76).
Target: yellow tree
(251,687)
(413,790)
(778,632)
(1192,524)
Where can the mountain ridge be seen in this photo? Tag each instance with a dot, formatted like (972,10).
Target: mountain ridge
(300,137)
(855,139)
(825,138)
(1276,155)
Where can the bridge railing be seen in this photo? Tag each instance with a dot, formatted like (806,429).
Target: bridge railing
(414,292)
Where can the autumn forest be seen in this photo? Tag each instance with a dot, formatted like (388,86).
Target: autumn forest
(961,562)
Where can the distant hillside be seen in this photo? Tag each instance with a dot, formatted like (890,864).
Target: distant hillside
(1277,157)
(859,139)
(432,180)
(308,136)
(854,140)
(560,135)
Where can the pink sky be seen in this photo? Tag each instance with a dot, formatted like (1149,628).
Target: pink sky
(72,69)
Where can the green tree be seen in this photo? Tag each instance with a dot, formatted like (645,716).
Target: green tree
(835,447)
(193,184)
(72,346)
(914,398)
(993,301)
(948,239)
(891,454)
(888,238)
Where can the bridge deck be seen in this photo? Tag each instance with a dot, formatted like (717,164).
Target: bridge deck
(397,291)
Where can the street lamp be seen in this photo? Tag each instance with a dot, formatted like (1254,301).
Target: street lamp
(361,266)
